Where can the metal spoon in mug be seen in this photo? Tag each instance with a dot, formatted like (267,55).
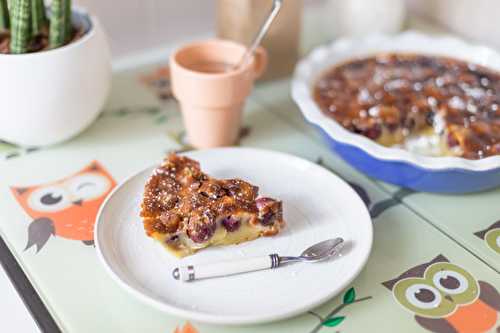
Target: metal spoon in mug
(318,252)
(262,32)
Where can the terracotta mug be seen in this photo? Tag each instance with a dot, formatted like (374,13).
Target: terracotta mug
(210,97)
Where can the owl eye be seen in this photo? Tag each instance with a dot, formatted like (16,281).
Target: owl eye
(88,186)
(450,282)
(49,199)
(492,238)
(423,296)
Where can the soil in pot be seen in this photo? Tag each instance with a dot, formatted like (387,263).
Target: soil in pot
(40,42)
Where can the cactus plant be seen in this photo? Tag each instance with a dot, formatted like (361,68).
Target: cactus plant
(67,17)
(38,18)
(59,23)
(21,26)
(27,24)
(4,15)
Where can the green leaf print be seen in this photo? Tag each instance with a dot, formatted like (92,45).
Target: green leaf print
(332,318)
(161,119)
(6,147)
(349,296)
(332,322)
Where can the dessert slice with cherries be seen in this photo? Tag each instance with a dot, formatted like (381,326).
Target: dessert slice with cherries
(187,210)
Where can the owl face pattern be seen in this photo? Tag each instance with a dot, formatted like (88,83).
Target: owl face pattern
(67,207)
(446,298)
(491,236)
(439,292)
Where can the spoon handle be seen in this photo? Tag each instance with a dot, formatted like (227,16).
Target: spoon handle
(205,271)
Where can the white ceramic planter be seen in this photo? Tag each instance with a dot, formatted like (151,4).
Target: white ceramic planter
(50,96)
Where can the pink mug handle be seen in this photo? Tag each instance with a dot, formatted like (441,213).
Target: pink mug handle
(260,61)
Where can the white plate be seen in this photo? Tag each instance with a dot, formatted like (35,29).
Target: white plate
(317,205)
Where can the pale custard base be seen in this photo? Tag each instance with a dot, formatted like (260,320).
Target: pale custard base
(425,142)
(221,237)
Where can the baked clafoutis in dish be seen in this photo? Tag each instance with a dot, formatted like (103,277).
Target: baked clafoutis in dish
(187,210)
(427,104)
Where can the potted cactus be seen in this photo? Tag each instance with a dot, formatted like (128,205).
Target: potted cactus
(55,71)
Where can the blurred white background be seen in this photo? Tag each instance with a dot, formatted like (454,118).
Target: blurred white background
(135,25)
(138,25)
(474,19)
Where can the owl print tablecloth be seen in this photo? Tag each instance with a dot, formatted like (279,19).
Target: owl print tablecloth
(435,264)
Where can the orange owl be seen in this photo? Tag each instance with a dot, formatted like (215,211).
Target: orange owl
(67,207)
(446,298)
(187,328)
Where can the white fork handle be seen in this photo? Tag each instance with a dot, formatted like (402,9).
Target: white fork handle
(205,271)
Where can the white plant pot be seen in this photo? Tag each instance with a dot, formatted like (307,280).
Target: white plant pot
(50,96)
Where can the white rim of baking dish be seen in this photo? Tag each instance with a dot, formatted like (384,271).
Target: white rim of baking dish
(323,57)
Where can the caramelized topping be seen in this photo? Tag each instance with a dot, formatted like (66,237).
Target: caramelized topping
(397,95)
(270,210)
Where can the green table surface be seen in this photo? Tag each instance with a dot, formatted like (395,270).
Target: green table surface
(137,129)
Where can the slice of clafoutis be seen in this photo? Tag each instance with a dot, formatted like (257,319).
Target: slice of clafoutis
(186,210)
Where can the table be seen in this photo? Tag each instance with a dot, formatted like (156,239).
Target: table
(66,288)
